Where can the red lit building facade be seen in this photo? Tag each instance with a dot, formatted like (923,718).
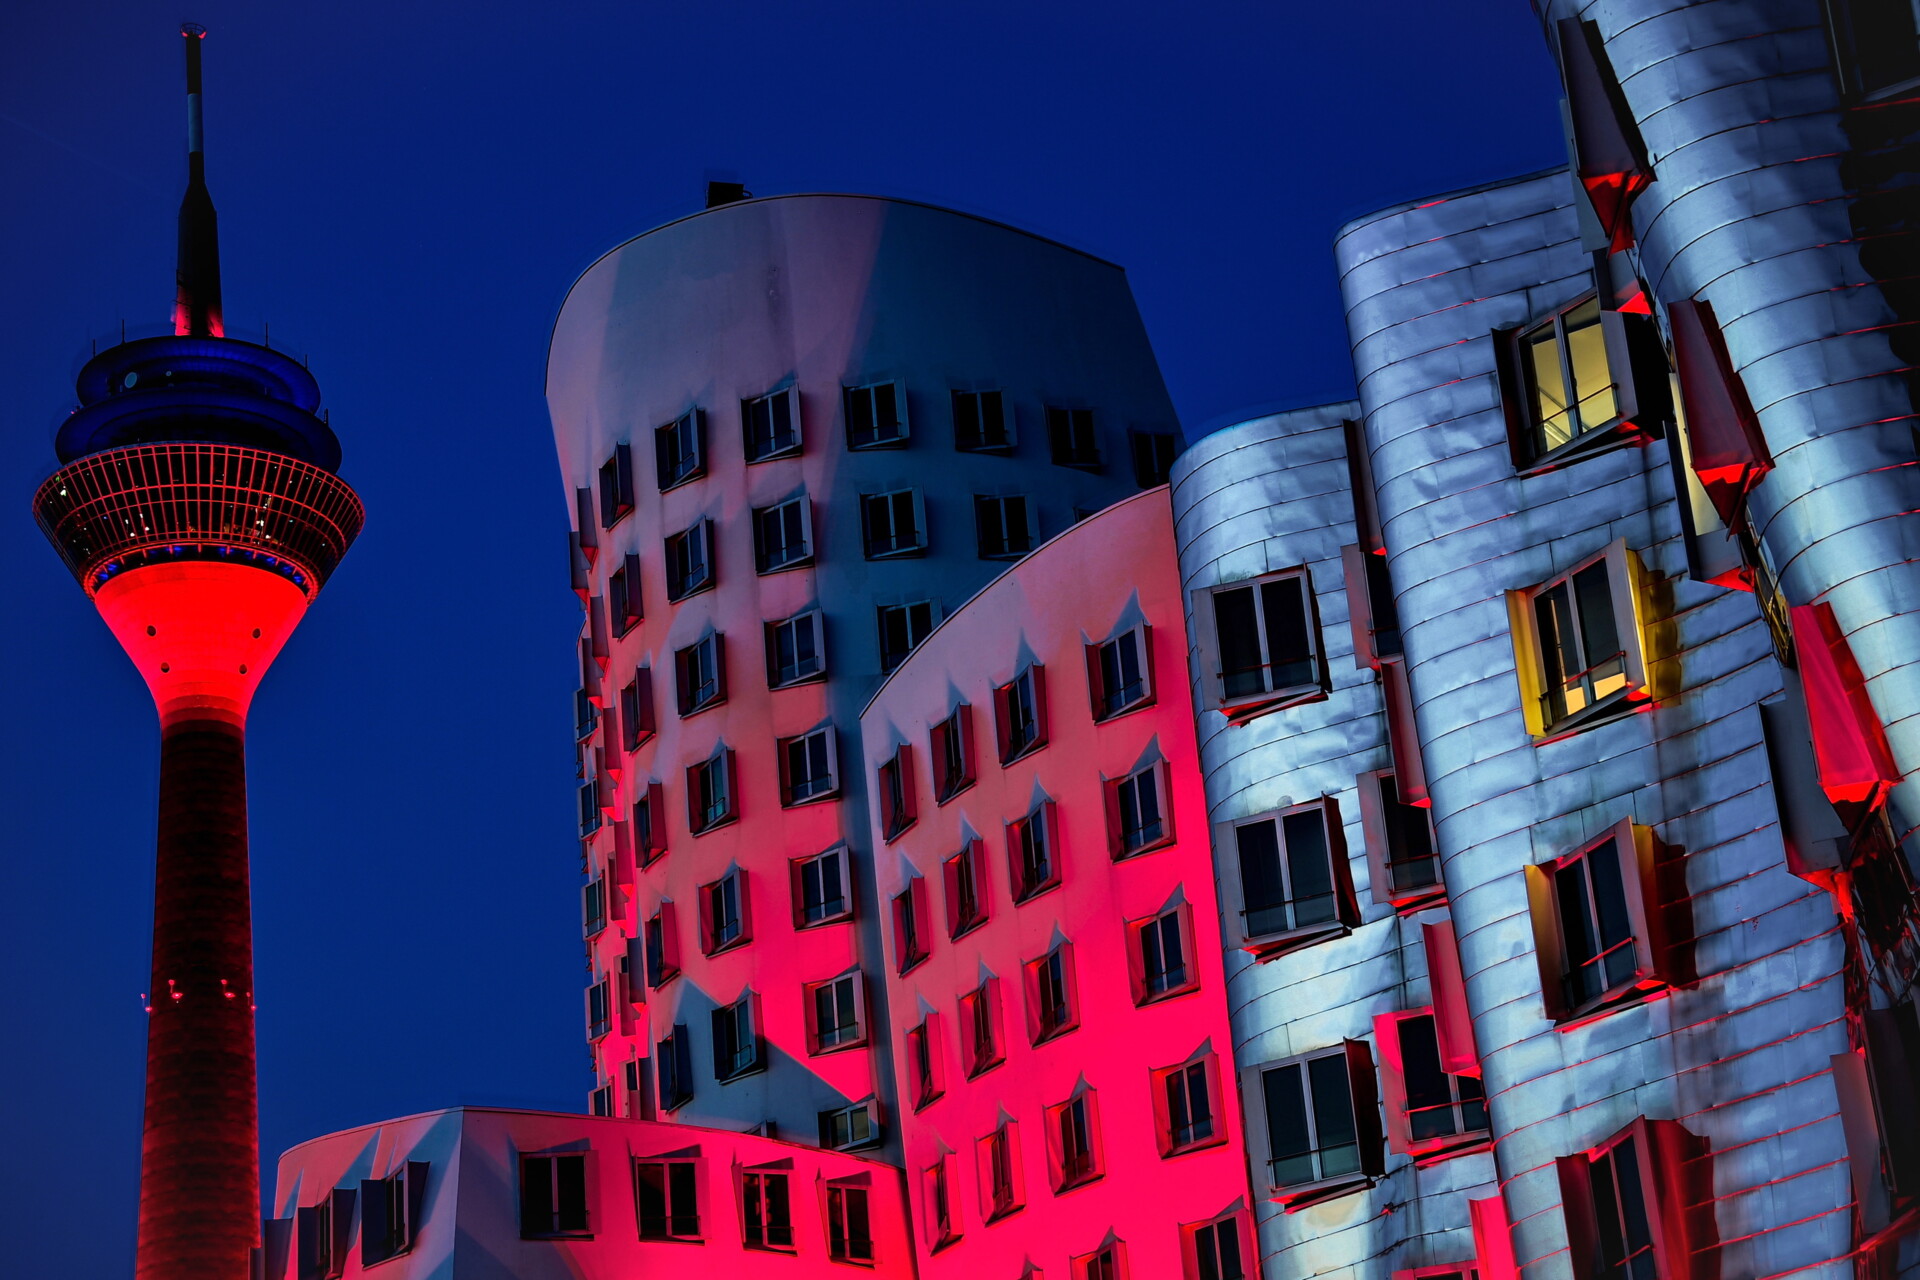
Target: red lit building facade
(1053,976)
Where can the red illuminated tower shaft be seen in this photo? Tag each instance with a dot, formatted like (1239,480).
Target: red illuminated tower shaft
(197,505)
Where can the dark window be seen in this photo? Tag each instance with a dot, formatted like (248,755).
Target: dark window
(736,1041)
(1053,1003)
(586,716)
(322,1252)
(690,561)
(1384,612)
(1265,639)
(1005,526)
(980,421)
(593,905)
(849,1235)
(1071,437)
(1163,960)
(977,1017)
(616,486)
(796,649)
(599,1009)
(1877,43)
(724,912)
(390,1212)
(1312,1131)
(1287,873)
(589,798)
(600,1101)
(909,925)
(1030,845)
(894,523)
(1216,1251)
(1623,1237)
(1104,1265)
(663,961)
(649,830)
(823,888)
(710,793)
(896,793)
(953,754)
(1189,1106)
(1405,865)
(699,673)
(807,767)
(679,450)
(769,1210)
(782,536)
(668,1199)
(1119,669)
(673,1064)
(1021,705)
(940,1197)
(1002,1198)
(876,415)
(1439,1105)
(966,900)
(1141,815)
(1582,658)
(1599,950)
(636,710)
(553,1195)
(920,1062)
(1153,455)
(902,628)
(623,595)
(848,1127)
(1073,1131)
(771,425)
(837,1020)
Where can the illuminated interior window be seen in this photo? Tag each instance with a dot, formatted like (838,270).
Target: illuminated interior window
(1071,437)
(981,422)
(679,450)
(796,649)
(770,425)
(1579,644)
(1594,942)
(1005,526)
(667,1197)
(902,628)
(783,536)
(893,524)
(553,1196)
(876,415)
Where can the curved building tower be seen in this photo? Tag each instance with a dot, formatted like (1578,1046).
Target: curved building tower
(197,505)
(794,433)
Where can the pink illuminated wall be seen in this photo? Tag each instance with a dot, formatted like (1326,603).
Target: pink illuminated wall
(1112,574)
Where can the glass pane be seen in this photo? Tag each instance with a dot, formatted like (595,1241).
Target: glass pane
(779,1211)
(1289,1140)
(650,1181)
(686,1208)
(1599,632)
(1289,640)
(1540,353)
(1260,884)
(1592,379)
(1309,868)
(1610,908)
(536,1196)
(1410,856)
(1241,672)
(1429,1091)
(1633,1213)
(1559,654)
(1473,1104)
(1333,1122)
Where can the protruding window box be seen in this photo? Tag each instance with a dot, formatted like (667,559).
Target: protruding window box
(1604,934)
(809,768)
(1403,859)
(952,750)
(1318,1134)
(1188,1107)
(1120,673)
(1294,883)
(982,422)
(1581,645)
(616,486)
(1432,1114)
(1260,646)
(876,415)
(770,425)
(1580,381)
(680,450)
(821,893)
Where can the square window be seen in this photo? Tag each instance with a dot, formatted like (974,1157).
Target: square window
(1120,673)
(1578,644)
(553,1196)
(737,1047)
(1020,713)
(1002,1189)
(1567,385)
(767,1204)
(1005,526)
(723,913)
(600,1101)
(623,595)
(796,649)
(1159,947)
(980,1028)
(912,929)
(809,768)
(902,628)
(1295,887)
(1186,1102)
(710,793)
(1153,455)
(1592,931)
(893,524)
(667,1199)
(673,1067)
(1031,845)
(836,1013)
(1073,1155)
(636,710)
(877,416)
(1071,438)
(783,536)
(924,1075)
(1431,1112)
(820,893)
(679,450)
(690,561)
(1261,639)
(616,486)
(967,894)
(895,785)
(952,749)
(700,674)
(770,425)
(1052,999)
(981,422)
(1320,1123)
(849,1128)
(1402,859)
(1137,812)
(849,1224)
(663,947)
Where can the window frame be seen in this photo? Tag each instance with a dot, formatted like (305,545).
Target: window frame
(1068,1171)
(849,398)
(790,396)
(1240,708)
(616,486)
(925,1061)
(889,660)
(1140,976)
(688,466)
(671,1219)
(940,1193)
(1100,697)
(1073,438)
(1362,1099)
(867,1109)
(1662,1150)
(1653,974)
(1389,1031)
(1044,819)
(1034,677)
(1166,1130)
(600,1020)
(1190,1243)
(1006,549)
(862,1024)
(1003,1190)
(726,1017)
(625,609)
(700,534)
(1266,945)
(663,956)
(983,1046)
(1378,824)
(1115,789)
(400,1195)
(839,1214)
(912,925)
(1843,41)
(896,784)
(826,786)
(673,1068)
(949,742)
(704,817)
(979,442)
(764,565)
(637,724)
(1053,994)
(888,501)
(751,1194)
(816,621)
(556,1230)
(1150,472)
(972,858)
(711,941)
(649,835)
(1628,589)
(840,856)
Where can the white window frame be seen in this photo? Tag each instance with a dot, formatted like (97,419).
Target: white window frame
(856,429)
(998,503)
(1270,942)
(697,535)
(846,1036)
(690,428)
(816,622)
(793,556)
(1271,696)
(976,441)
(906,609)
(822,787)
(843,888)
(788,396)
(888,502)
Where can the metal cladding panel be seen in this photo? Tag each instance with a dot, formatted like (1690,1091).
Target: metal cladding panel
(1764,205)
(1259,497)
(1737,1054)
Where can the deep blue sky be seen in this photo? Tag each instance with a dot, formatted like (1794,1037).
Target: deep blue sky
(405,193)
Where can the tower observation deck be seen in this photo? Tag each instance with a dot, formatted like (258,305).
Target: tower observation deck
(197,505)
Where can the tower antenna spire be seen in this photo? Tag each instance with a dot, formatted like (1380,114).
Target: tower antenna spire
(196,299)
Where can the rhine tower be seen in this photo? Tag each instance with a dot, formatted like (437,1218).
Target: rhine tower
(198,506)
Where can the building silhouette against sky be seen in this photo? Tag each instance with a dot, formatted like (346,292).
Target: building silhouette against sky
(198,507)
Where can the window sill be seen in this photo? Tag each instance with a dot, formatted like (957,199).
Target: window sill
(863,446)
(801,802)
(1432,1151)
(999,447)
(960,931)
(1079,464)
(700,588)
(774,455)
(903,553)
(983,1068)
(647,857)
(785,566)
(921,1104)
(757,1069)
(680,482)
(1001,1213)
(1121,713)
(1248,709)
(1151,998)
(838,917)
(673,1239)
(619,514)
(828,1050)
(727,821)
(895,832)
(1002,555)
(948,797)
(725,947)
(1304,1195)
(911,963)
(1590,443)
(1204,1144)
(1639,992)
(1414,901)
(553,1235)
(1617,705)
(812,677)
(689,713)
(1013,757)
(1040,890)
(638,742)
(620,633)
(1084,1180)
(1048,1037)
(1273,946)
(1151,846)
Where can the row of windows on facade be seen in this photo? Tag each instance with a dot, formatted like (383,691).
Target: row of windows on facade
(389,1220)
(1119,680)
(876,418)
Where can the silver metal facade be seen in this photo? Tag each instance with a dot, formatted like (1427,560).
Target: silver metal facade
(1739,1055)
